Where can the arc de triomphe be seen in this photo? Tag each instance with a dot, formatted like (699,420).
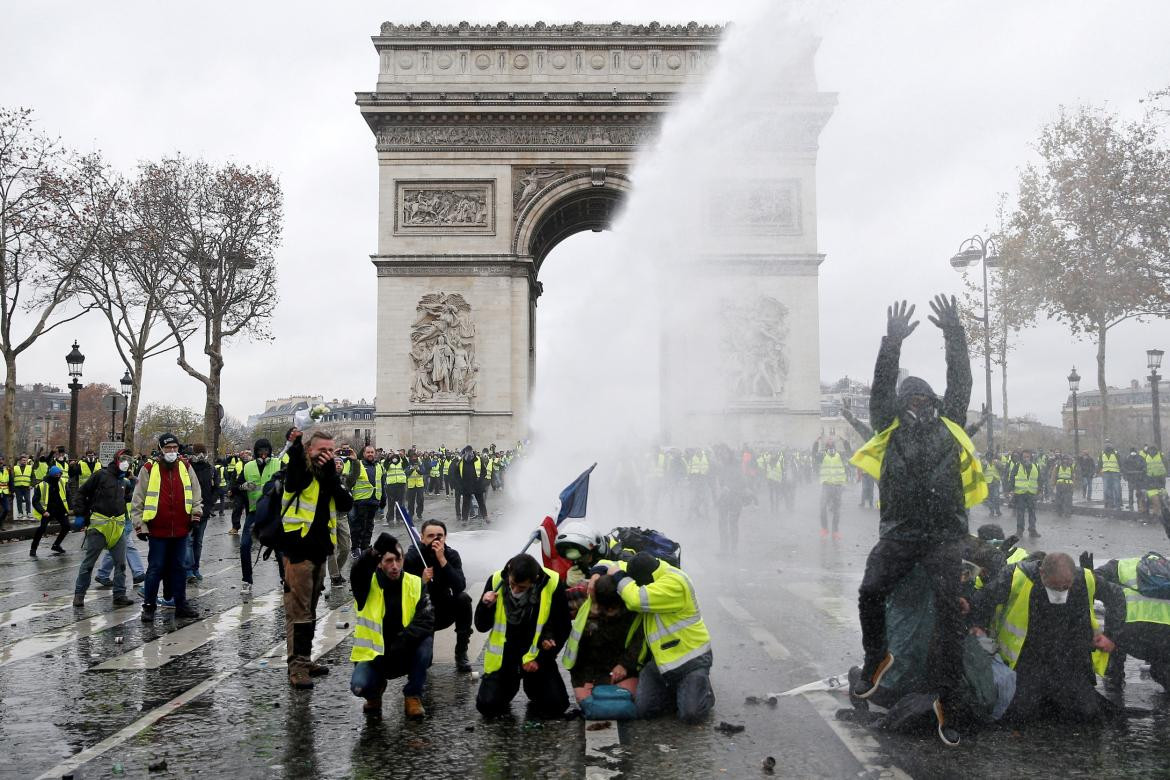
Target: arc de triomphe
(496,142)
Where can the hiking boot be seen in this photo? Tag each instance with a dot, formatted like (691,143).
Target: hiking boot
(79,600)
(123,601)
(871,677)
(298,677)
(318,670)
(57,549)
(948,734)
(462,639)
(412,705)
(373,707)
(147,614)
(103,582)
(186,611)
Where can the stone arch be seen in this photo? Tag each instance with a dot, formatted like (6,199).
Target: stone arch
(586,200)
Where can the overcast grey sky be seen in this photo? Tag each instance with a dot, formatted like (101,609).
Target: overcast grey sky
(939,102)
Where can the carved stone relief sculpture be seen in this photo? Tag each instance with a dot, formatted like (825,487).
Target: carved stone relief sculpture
(443,207)
(755,333)
(765,206)
(442,350)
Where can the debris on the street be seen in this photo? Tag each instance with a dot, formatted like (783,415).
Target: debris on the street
(729,728)
(769,765)
(157,766)
(599,725)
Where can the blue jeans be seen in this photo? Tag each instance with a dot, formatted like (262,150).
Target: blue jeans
(1112,482)
(92,546)
(166,558)
(246,546)
(195,545)
(691,697)
(369,677)
(133,559)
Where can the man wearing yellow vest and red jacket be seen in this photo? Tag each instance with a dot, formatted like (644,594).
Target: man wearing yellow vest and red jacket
(314,501)
(928,476)
(677,676)
(1048,633)
(393,631)
(523,608)
(166,503)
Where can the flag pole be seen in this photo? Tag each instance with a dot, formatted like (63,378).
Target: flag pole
(405,522)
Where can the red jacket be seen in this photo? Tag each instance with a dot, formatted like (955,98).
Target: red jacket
(171,521)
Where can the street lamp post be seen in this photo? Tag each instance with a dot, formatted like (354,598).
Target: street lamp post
(74,360)
(127,387)
(1154,361)
(985,252)
(1074,384)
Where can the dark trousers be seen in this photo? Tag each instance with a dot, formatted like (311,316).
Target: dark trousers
(1149,642)
(464,501)
(729,511)
(166,558)
(45,518)
(414,501)
(889,561)
(1063,697)
(369,677)
(1025,503)
(690,697)
(239,507)
(455,612)
(544,688)
(361,530)
(395,493)
(831,503)
(23,505)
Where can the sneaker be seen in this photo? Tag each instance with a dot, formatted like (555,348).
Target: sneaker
(147,614)
(234,532)
(355,555)
(186,611)
(141,591)
(167,603)
(103,582)
(1032,532)
(872,677)
(824,533)
(78,600)
(139,579)
(338,580)
(57,550)
(837,536)
(191,579)
(198,577)
(948,734)
(246,590)
(122,601)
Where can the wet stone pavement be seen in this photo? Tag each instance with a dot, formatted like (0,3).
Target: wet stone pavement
(96,693)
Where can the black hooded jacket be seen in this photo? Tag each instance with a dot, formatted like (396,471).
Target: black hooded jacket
(107,492)
(921,482)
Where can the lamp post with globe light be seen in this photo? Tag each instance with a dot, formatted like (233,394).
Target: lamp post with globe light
(984,251)
(1154,361)
(74,360)
(1074,384)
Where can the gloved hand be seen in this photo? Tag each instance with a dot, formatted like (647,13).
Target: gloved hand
(78,522)
(898,325)
(1086,560)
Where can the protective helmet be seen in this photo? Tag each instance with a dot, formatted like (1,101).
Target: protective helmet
(575,539)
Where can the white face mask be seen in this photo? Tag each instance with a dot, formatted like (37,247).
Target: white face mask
(1056,596)
(170,457)
(124,465)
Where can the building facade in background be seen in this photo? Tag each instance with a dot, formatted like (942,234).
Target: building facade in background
(42,417)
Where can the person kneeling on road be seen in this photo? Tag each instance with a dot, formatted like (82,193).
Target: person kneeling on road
(442,572)
(678,674)
(393,634)
(605,645)
(523,607)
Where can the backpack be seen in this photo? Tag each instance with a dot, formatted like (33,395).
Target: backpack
(1153,576)
(632,540)
(267,528)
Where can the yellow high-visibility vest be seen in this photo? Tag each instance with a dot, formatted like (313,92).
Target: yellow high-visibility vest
(832,470)
(300,509)
(86,471)
(493,654)
(1028,480)
(43,487)
(22,475)
(869,458)
(395,475)
(1109,463)
(1013,630)
(368,643)
(363,488)
(1064,475)
(569,659)
(154,485)
(673,626)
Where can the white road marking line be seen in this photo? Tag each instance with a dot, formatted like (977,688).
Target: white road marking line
(36,609)
(170,646)
(771,645)
(598,747)
(189,695)
(863,746)
(51,640)
(39,573)
(326,637)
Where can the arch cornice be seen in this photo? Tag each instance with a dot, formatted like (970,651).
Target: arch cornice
(547,198)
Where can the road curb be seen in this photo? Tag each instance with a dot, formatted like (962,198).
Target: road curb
(18,534)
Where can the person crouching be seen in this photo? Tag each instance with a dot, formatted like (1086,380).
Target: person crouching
(605,643)
(393,634)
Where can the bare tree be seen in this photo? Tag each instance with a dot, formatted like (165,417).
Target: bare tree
(227,223)
(131,279)
(52,206)
(1089,235)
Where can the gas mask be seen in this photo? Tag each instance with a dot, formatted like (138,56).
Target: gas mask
(124,465)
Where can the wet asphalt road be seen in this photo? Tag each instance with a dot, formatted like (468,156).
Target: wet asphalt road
(782,612)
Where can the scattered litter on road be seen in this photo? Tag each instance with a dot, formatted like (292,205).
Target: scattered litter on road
(157,766)
(729,728)
(768,765)
(598,725)
(666,748)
